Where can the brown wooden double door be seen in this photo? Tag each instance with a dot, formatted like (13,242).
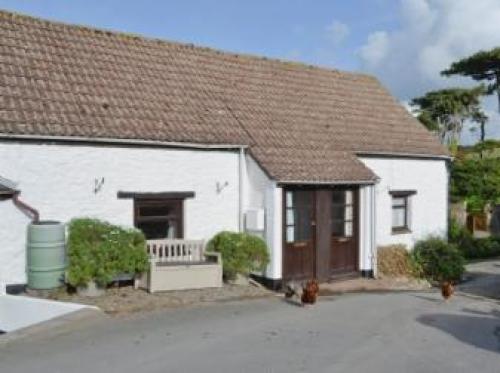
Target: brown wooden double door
(320,232)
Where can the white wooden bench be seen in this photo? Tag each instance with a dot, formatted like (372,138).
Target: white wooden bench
(177,264)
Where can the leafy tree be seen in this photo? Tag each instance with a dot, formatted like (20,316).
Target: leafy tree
(481,66)
(445,111)
(476,180)
(480,118)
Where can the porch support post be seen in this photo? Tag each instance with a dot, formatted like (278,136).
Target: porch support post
(367,229)
(241,188)
(373,230)
(274,230)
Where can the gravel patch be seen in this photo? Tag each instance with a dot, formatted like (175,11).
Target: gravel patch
(119,301)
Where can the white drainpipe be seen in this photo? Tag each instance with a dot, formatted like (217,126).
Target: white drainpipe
(373,237)
(241,192)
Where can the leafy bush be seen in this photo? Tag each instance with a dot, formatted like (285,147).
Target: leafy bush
(477,181)
(438,259)
(457,232)
(242,253)
(395,261)
(100,251)
(479,248)
(471,247)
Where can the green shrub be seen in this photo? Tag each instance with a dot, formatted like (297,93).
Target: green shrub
(476,180)
(457,232)
(479,248)
(438,259)
(471,247)
(99,251)
(242,253)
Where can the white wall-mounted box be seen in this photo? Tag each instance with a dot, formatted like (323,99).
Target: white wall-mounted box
(255,220)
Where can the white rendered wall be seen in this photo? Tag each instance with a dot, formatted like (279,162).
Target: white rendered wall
(428,207)
(262,193)
(59,181)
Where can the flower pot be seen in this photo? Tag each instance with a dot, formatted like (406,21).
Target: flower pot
(90,290)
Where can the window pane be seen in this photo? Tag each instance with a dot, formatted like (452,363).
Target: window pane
(348,213)
(159,219)
(338,197)
(398,217)
(289,199)
(303,226)
(398,201)
(154,210)
(348,229)
(338,212)
(299,215)
(158,230)
(338,228)
(348,197)
(290,234)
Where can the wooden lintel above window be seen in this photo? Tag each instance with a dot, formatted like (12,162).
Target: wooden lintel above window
(155,195)
(402,193)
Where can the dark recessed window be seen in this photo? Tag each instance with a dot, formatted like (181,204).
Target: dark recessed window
(401,210)
(159,219)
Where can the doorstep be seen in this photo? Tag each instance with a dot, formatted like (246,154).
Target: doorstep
(373,285)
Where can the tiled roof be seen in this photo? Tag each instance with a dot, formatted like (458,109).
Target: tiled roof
(7,186)
(302,123)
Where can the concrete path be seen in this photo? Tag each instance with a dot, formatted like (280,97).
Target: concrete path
(398,332)
(483,279)
(17,312)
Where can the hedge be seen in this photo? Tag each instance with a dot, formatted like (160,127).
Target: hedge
(438,260)
(99,251)
(242,253)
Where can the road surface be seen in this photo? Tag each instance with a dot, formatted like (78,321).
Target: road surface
(397,332)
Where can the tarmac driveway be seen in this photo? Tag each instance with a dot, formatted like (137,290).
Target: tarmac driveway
(483,279)
(397,332)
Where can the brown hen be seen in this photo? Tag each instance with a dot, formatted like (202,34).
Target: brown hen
(310,292)
(447,289)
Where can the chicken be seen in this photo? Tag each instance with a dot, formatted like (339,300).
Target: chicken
(447,290)
(310,292)
(293,289)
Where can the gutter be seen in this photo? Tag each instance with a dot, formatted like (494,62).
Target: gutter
(340,182)
(402,155)
(105,140)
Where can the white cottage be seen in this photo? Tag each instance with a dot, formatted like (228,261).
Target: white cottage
(182,141)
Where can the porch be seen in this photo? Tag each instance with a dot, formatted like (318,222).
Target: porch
(327,232)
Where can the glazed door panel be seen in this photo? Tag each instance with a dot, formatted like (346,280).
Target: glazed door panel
(299,234)
(344,231)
